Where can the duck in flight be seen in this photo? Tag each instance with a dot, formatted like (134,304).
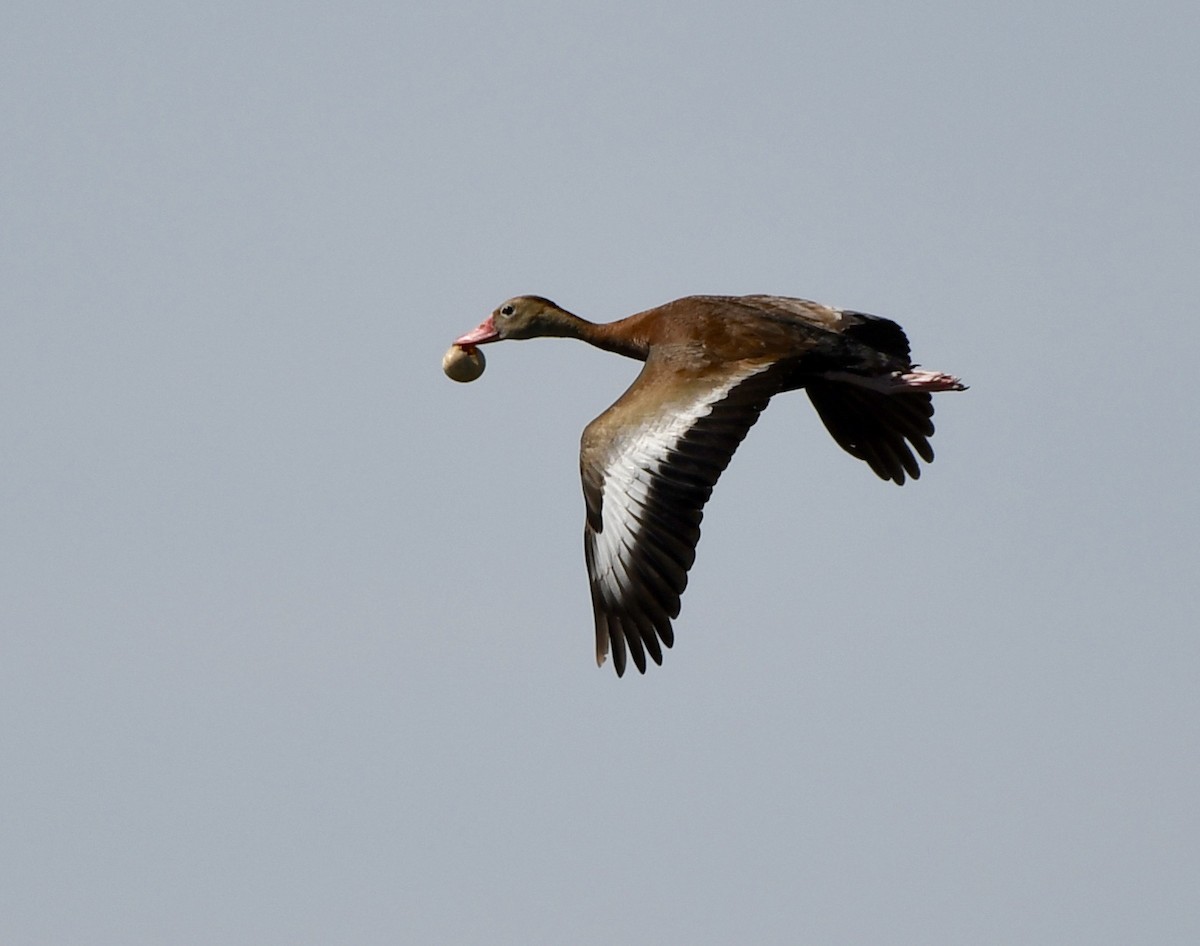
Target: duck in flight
(712,363)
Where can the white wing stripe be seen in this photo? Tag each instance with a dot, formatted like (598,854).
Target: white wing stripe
(634,464)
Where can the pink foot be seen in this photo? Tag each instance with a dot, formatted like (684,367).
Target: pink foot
(900,382)
(917,380)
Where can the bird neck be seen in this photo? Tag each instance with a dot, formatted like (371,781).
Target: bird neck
(609,336)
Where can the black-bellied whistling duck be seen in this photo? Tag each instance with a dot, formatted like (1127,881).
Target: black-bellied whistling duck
(650,461)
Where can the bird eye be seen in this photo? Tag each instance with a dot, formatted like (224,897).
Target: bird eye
(506,310)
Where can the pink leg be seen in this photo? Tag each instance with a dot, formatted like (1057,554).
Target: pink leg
(917,380)
(900,382)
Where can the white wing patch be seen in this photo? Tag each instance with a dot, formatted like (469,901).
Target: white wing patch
(626,494)
(634,462)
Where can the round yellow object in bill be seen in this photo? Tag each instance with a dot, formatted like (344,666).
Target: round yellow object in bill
(463,364)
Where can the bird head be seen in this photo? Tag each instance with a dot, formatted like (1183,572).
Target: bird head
(519,317)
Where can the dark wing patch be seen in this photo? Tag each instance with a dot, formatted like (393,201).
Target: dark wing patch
(879,333)
(882,429)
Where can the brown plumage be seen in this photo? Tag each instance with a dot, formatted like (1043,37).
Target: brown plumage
(712,363)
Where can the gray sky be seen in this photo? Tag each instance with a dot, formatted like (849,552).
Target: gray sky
(295,638)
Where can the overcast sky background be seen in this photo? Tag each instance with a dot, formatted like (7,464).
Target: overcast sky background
(295,637)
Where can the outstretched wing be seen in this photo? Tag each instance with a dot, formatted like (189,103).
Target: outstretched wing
(882,429)
(649,464)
